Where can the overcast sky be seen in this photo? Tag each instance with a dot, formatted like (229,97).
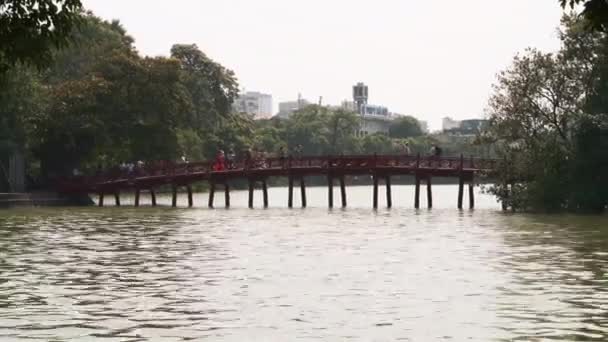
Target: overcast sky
(427,58)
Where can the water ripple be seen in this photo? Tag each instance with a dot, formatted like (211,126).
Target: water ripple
(161,274)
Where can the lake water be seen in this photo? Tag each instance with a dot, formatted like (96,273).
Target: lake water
(163,274)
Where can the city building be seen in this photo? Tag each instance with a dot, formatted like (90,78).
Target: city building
(288,107)
(374,119)
(473,126)
(449,124)
(464,127)
(254,103)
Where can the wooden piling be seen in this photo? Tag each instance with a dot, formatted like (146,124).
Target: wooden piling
(190,200)
(174,197)
(153,196)
(303,192)
(101,195)
(117,199)
(265,193)
(343,191)
(211,194)
(471,196)
(375,199)
(137,193)
(429,193)
(290,193)
(389,197)
(227,195)
(251,185)
(330,191)
(460,191)
(417,193)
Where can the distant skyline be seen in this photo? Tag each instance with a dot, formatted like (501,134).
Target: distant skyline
(426,58)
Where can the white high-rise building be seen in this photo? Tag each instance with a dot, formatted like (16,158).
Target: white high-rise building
(254,103)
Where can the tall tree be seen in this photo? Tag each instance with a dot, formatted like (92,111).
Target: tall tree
(538,109)
(595,11)
(31,29)
(213,88)
(405,127)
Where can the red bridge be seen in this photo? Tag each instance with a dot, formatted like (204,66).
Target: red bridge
(380,167)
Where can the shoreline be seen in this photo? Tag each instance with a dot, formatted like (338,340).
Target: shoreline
(42,199)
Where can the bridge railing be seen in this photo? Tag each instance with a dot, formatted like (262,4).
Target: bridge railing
(353,162)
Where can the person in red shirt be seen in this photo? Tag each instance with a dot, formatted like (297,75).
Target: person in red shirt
(220,161)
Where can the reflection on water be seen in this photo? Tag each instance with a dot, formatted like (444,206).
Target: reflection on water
(124,274)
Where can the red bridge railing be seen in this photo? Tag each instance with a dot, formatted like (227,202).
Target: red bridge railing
(344,163)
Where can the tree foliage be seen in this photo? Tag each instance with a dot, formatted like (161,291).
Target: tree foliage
(594,11)
(100,102)
(31,29)
(544,109)
(405,127)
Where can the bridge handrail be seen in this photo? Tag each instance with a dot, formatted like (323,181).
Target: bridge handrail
(154,169)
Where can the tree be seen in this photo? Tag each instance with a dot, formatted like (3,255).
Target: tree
(308,127)
(106,102)
(405,127)
(342,125)
(539,111)
(212,87)
(31,29)
(595,12)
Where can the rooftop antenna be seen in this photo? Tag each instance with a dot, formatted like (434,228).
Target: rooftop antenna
(320,101)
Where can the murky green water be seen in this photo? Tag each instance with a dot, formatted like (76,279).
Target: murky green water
(162,274)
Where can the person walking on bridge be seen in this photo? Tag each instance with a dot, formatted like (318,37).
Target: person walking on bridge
(220,161)
(406,148)
(281,155)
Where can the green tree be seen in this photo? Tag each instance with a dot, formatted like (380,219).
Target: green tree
(594,11)
(212,87)
(308,127)
(341,128)
(109,103)
(31,29)
(405,127)
(537,112)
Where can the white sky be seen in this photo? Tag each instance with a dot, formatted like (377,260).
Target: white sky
(427,58)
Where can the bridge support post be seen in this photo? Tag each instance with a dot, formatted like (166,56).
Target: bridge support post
(429,192)
(265,193)
(375,199)
(137,193)
(290,193)
(251,185)
(211,194)
(153,195)
(101,194)
(174,197)
(227,194)
(471,196)
(117,198)
(417,193)
(460,191)
(343,191)
(330,191)
(190,201)
(389,195)
(303,192)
